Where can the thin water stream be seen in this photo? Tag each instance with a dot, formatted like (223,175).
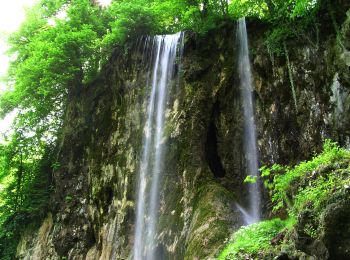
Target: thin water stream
(253,213)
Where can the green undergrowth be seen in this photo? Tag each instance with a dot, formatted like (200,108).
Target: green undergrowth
(252,240)
(310,181)
(308,186)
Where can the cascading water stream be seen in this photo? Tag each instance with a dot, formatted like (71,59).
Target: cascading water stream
(253,213)
(164,50)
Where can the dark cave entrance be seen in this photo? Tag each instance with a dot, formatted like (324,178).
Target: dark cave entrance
(211,147)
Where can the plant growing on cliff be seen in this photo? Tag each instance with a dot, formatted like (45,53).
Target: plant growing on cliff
(284,178)
(303,190)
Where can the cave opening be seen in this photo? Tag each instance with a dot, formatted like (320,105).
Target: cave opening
(211,147)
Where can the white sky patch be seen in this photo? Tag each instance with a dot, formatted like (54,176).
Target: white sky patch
(6,123)
(4,60)
(104,2)
(12,14)
(61,15)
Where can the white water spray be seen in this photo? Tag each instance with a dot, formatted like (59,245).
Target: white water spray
(253,213)
(151,169)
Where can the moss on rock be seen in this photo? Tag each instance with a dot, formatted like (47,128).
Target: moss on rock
(211,223)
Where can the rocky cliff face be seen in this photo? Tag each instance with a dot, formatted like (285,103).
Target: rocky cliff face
(94,198)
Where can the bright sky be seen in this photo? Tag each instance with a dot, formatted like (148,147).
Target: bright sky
(104,2)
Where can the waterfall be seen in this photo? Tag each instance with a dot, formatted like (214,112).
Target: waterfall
(250,140)
(164,50)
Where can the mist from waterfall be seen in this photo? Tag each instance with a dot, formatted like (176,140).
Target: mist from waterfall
(253,213)
(164,51)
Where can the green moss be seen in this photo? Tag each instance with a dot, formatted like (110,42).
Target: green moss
(211,221)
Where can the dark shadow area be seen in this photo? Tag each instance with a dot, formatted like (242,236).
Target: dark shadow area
(108,197)
(211,147)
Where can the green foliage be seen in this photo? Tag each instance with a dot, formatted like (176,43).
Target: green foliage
(305,187)
(253,8)
(250,179)
(254,238)
(68,198)
(50,57)
(26,185)
(130,21)
(55,166)
(318,191)
(281,184)
(277,37)
(291,19)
